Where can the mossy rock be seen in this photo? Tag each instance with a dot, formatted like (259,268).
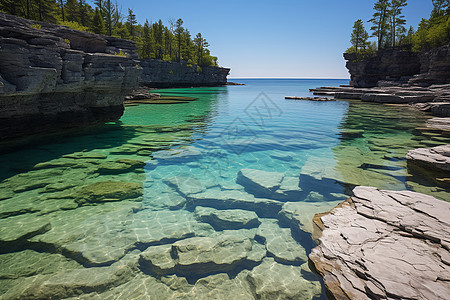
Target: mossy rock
(108,191)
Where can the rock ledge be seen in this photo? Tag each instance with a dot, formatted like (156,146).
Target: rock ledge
(385,245)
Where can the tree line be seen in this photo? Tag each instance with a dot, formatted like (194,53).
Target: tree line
(388,29)
(155,40)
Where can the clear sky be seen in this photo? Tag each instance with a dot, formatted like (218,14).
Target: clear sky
(282,38)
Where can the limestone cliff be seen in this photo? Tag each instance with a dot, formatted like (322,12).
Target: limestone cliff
(396,66)
(161,74)
(53,77)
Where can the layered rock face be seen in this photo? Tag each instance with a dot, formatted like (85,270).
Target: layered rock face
(161,74)
(394,66)
(53,77)
(385,245)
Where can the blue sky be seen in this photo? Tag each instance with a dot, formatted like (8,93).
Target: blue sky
(282,38)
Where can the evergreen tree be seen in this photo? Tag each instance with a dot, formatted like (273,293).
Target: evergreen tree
(131,23)
(146,47)
(85,13)
(201,44)
(46,11)
(98,25)
(359,35)
(111,15)
(440,7)
(71,11)
(380,21)
(397,19)
(179,30)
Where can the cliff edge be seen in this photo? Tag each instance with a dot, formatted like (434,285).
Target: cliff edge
(54,78)
(396,67)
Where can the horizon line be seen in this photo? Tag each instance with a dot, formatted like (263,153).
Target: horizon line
(287,78)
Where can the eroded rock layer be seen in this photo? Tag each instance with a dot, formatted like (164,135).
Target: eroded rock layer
(53,77)
(385,245)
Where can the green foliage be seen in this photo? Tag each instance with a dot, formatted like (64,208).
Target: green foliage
(432,33)
(74,25)
(67,41)
(36,26)
(121,53)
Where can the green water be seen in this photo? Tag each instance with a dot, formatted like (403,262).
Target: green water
(152,207)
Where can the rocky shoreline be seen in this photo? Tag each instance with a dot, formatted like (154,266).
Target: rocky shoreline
(54,80)
(392,244)
(385,245)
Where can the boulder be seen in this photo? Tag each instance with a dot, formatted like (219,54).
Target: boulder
(385,244)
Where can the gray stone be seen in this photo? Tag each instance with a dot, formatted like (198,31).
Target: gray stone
(437,158)
(385,243)
(227,219)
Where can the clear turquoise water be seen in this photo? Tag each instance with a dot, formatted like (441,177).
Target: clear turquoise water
(76,215)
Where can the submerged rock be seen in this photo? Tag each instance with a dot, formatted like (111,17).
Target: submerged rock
(280,244)
(202,255)
(236,199)
(271,280)
(385,244)
(227,219)
(258,182)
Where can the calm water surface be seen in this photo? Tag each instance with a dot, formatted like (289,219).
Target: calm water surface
(211,199)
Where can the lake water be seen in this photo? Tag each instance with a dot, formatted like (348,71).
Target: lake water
(211,199)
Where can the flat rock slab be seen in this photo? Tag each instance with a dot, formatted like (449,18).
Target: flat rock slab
(202,255)
(258,182)
(236,199)
(385,245)
(271,280)
(439,123)
(227,219)
(280,244)
(431,158)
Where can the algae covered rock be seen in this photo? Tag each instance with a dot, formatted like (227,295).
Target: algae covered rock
(107,191)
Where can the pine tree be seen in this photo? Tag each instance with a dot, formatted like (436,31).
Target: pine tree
(98,25)
(146,47)
(131,23)
(201,44)
(179,30)
(85,13)
(397,19)
(359,35)
(440,7)
(72,11)
(380,21)
(111,15)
